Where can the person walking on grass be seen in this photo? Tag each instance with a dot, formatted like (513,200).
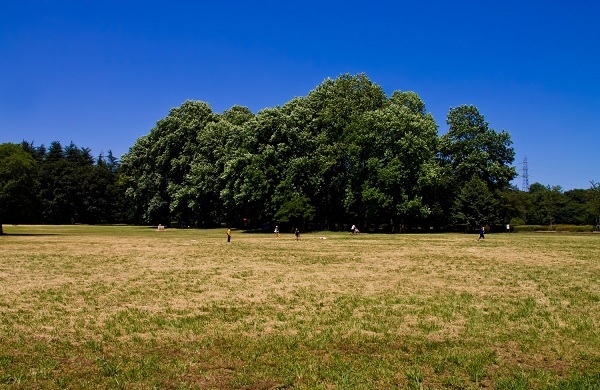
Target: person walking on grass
(297,234)
(481,233)
(229,235)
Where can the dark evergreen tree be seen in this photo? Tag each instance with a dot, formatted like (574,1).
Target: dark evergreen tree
(18,183)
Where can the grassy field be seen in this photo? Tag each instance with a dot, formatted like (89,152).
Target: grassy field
(134,308)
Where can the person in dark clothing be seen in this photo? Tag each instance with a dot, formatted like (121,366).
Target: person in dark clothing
(481,233)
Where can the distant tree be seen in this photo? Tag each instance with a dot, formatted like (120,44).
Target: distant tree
(110,162)
(576,209)
(514,205)
(470,148)
(250,167)
(594,201)
(290,154)
(475,205)
(297,211)
(37,152)
(238,115)
(553,201)
(18,181)
(78,156)
(535,215)
(337,105)
(201,186)
(59,187)
(55,152)
(158,163)
(392,151)
(548,204)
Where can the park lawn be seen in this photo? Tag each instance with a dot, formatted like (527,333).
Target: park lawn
(132,307)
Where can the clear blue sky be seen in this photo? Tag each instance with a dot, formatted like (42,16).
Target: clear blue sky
(101,73)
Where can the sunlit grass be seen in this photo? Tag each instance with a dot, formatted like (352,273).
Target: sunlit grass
(132,307)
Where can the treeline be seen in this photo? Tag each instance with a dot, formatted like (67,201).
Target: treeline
(550,205)
(344,154)
(71,186)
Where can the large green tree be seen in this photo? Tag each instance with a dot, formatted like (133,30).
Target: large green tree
(337,105)
(345,149)
(471,149)
(156,166)
(250,168)
(392,153)
(18,182)
(475,205)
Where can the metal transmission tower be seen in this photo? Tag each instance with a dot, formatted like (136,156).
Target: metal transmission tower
(525,174)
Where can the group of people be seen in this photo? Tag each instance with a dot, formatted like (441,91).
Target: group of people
(353,230)
(275,232)
(278,234)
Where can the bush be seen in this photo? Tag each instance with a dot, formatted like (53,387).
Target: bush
(574,228)
(557,228)
(517,222)
(531,228)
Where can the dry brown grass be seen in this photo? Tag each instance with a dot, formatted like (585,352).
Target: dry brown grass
(134,307)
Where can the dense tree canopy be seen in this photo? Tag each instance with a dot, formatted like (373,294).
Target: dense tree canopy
(346,151)
(476,166)
(471,148)
(18,182)
(344,154)
(73,187)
